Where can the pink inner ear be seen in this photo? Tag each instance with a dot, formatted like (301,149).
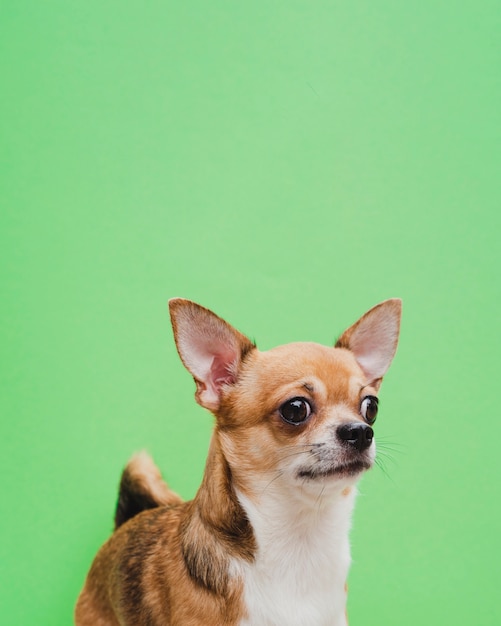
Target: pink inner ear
(221,370)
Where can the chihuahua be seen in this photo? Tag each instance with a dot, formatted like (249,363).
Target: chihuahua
(265,540)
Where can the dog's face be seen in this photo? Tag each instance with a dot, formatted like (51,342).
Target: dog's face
(300,414)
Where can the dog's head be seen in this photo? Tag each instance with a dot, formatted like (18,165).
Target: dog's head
(300,413)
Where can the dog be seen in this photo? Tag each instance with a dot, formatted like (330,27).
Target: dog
(265,540)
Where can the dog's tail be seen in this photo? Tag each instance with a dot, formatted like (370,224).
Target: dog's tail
(141,488)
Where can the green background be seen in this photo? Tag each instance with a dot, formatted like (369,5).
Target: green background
(288,164)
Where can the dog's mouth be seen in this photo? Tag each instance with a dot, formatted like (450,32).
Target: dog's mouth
(342,470)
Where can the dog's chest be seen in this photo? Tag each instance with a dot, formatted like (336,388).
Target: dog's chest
(298,577)
(296,592)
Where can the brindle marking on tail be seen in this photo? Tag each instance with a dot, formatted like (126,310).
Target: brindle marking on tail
(141,488)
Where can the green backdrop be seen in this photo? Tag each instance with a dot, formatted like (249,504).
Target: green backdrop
(288,164)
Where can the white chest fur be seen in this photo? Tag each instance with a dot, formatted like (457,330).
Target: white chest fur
(298,577)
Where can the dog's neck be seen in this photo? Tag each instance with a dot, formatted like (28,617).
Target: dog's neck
(215,529)
(288,544)
(277,509)
(303,556)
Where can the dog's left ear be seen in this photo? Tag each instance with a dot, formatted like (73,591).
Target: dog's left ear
(373,339)
(210,349)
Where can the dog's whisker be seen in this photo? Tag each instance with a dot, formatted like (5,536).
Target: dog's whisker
(384,455)
(278,475)
(391,444)
(380,463)
(297,453)
(386,441)
(319,499)
(381,447)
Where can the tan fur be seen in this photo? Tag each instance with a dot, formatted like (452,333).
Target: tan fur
(181,563)
(145,473)
(254,438)
(140,575)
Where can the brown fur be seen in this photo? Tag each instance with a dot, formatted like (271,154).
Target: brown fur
(141,488)
(172,563)
(154,565)
(252,434)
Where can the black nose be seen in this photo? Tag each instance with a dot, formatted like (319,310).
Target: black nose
(357,434)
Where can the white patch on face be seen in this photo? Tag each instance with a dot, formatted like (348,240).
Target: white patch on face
(322,459)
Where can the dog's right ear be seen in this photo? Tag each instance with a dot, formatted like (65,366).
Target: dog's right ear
(210,349)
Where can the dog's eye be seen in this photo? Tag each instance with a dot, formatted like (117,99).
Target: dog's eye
(295,411)
(368,409)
